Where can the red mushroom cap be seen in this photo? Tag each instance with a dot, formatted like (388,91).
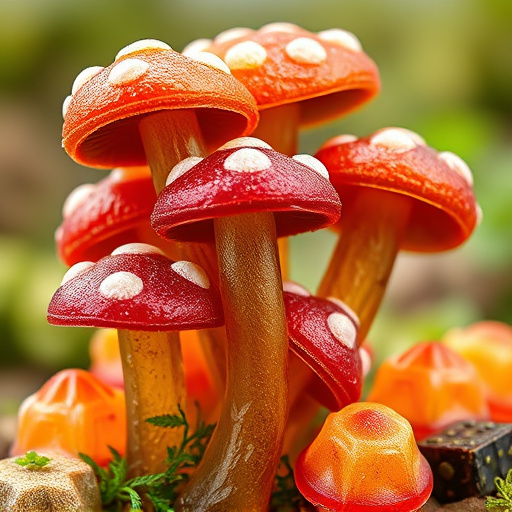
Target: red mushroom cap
(444,211)
(245,176)
(136,288)
(323,334)
(101,117)
(328,72)
(98,218)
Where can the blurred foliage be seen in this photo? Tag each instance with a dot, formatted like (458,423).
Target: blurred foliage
(446,73)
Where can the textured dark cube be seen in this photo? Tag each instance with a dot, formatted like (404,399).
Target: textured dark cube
(466,457)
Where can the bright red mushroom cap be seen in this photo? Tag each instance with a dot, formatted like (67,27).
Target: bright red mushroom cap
(245,176)
(327,72)
(101,116)
(323,334)
(444,211)
(136,288)
(98,218)
(364,459)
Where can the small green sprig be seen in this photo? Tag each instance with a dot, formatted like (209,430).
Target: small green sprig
(33,460)
(503,499)
(286,497)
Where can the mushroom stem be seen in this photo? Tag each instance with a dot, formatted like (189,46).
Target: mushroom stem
(359,269)
(238,467)
(153,381)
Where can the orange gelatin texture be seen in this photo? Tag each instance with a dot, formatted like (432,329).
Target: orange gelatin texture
(447,387)
(73,413)
(488,347)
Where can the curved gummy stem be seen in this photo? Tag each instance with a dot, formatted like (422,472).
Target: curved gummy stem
(359,269)
(238,467)
(153,381)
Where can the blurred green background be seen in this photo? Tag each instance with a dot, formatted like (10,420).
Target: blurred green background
(446,69)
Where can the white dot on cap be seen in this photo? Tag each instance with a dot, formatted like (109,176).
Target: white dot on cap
(75,270)
(143,44)
(84,76)
(279,26)
(313,163)
(346,309)
(393,139)
(297,289)
(458,165)
(121,286)
(420,141)
(245,55)
(76,198)
(479,214)
(247,160)
(209,59)
(127,71)
(245,141)
(306,51)
(65,105)
(366,361)
(192,272)
(341,38)
(199,45)
(181,168)
(342,329)
(137,248)
(233,33)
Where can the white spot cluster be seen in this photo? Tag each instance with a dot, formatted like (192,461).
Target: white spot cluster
(143,44)
(247,160)
(121,286)
(458,165)
(241,142)
(76,198)
(192,272)
(297,289)
(305,50)
(209,59)
(127,71)
(341,38)
(313,163)
(394,139)
(181,168)
(199,45)
(75,270)
(245,55)
(342,329)
(137,248)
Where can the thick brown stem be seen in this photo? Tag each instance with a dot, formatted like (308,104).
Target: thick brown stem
(153,381)
(237,470)
(359,269)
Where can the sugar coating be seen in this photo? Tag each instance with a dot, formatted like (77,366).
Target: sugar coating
(247,160)
(198,45)
(181,168)
(342,329)
(75,270)
(458,165)
(84,76)
(366,361)
(65,105)
(306,51)
(121,286)
(143,44)
(297,289)
(76,198)
(245,141)
(341,38)
(137,248)
(233,33)
(347,310)
(393,139)
(279,26)
(245,55)
(127,71)
(210,59)
(192,272)
(313,163)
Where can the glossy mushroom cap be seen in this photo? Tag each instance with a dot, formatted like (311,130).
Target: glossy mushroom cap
(487,345)
(245,176)
(431,374)
(74,412)
(364,459)
(444,211)
(323,334)
(327,72)
(98,218)
(136,288)
(101,117)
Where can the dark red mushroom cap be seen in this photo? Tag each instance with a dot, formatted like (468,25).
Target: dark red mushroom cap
(444,211)
(98,218)
(245,176)
(101,116)
(323,333)
(136,288)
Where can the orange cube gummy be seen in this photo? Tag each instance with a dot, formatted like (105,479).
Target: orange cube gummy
(431,386)
(364,459)
(487,345)
(74,412)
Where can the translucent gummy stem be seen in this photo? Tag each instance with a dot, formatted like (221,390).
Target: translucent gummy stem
(153,380)
(359,269)
(238,467)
